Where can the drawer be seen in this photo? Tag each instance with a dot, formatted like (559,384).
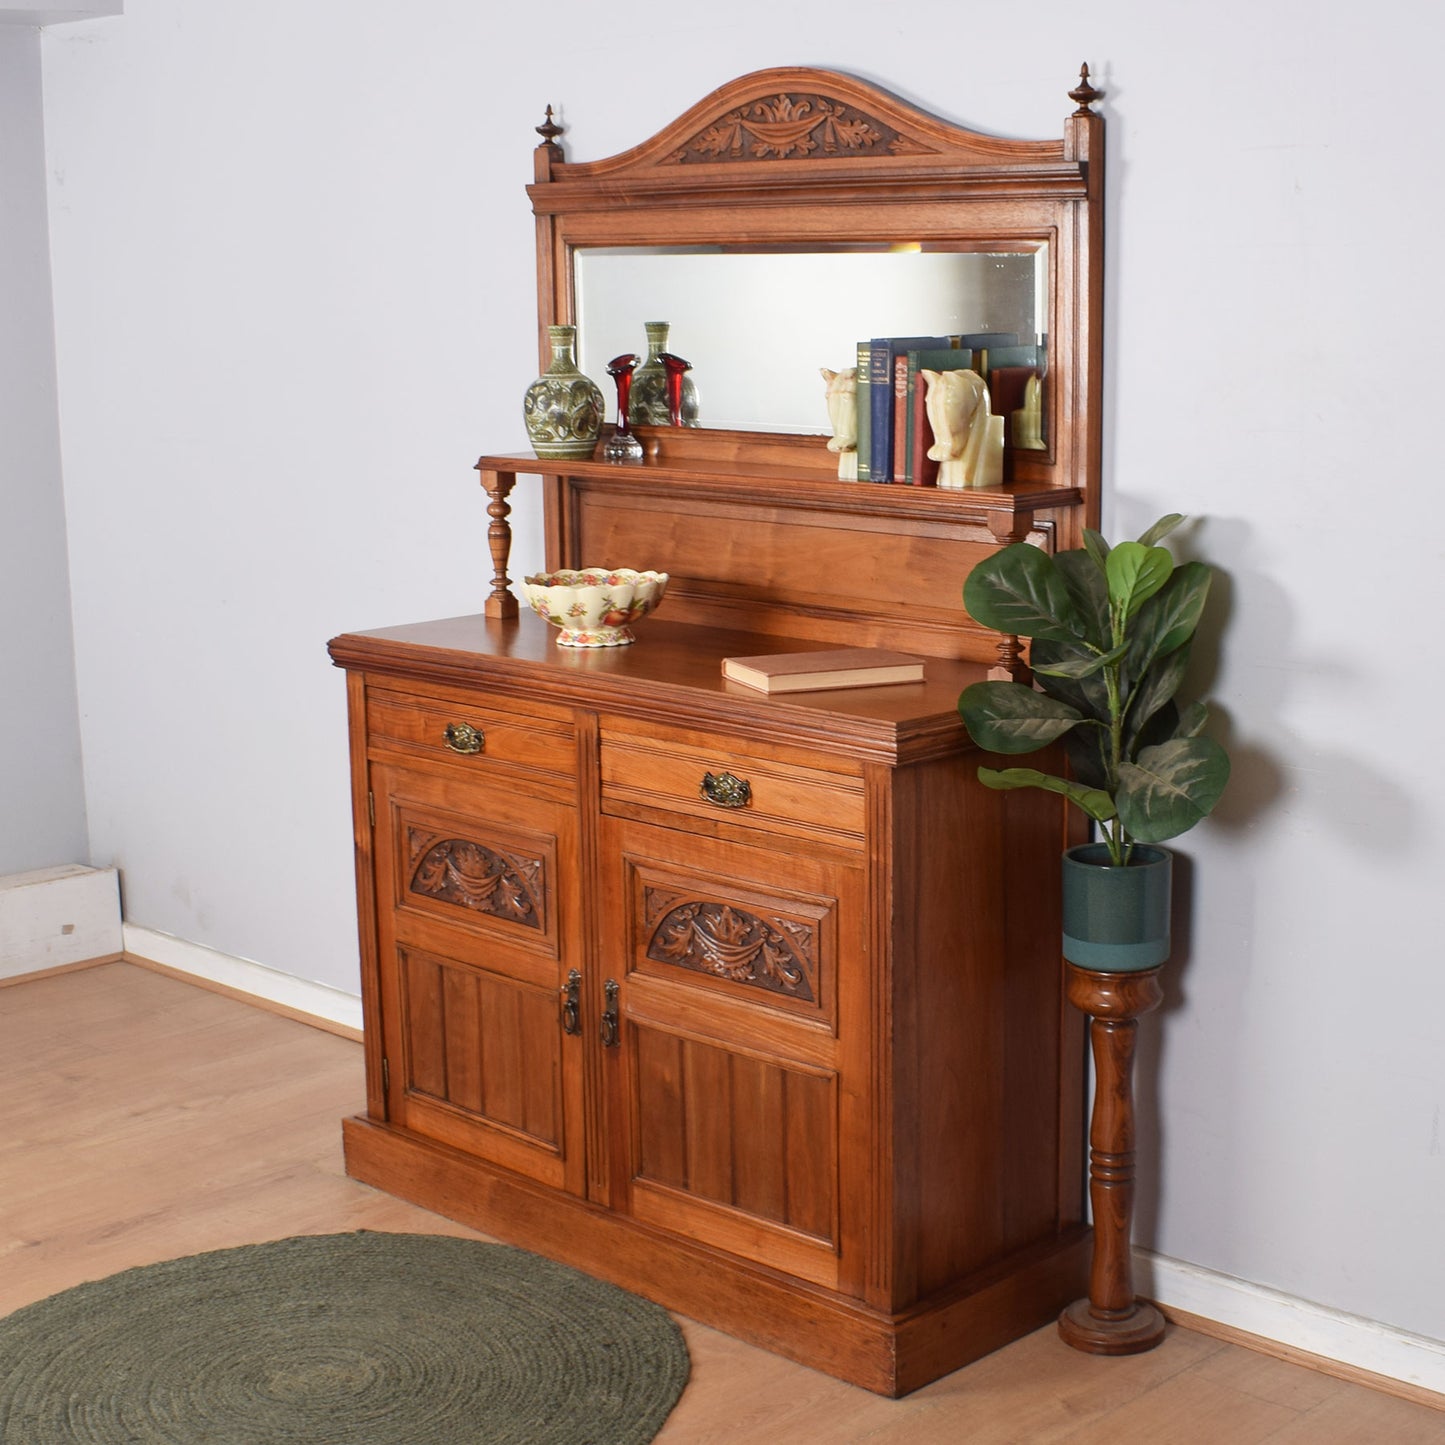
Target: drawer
(476,733)
(723,780)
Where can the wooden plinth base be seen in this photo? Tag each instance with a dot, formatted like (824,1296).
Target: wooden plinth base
(887,1353)
(1140,1329)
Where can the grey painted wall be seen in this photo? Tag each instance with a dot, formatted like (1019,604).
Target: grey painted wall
(42,804)
(294,279)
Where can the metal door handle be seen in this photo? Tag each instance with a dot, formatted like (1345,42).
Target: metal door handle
(609,1016)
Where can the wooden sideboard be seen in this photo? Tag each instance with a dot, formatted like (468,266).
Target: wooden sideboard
(800,1068)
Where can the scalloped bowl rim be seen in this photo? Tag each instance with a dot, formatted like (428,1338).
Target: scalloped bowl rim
(584,578)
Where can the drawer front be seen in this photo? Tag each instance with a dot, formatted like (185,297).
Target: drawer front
(471,732)
(720,779)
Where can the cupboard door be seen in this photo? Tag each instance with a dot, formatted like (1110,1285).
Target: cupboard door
(476,932)
(734,1082)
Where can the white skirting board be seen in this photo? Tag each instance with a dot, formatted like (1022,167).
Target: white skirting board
(1331,1334)
(318,1000)
(53,917)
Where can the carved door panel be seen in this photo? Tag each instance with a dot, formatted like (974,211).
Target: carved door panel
(734,1090)
(477,923)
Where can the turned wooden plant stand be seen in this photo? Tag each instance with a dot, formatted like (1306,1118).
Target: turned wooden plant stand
(1111,1321)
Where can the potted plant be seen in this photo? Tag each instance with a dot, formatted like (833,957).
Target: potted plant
(1111,631)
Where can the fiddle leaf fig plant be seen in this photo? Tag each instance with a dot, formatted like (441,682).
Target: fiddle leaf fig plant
(1111,631)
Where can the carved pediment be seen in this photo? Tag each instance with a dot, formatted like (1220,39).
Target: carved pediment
(792,125)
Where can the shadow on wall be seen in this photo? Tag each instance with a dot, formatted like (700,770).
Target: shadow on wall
(1352,799)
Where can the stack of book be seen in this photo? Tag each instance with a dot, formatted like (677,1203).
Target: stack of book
(894,434)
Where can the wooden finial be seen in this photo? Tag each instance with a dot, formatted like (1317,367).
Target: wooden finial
(549,130)
(1083,93)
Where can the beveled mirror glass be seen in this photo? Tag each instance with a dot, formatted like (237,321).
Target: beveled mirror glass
(757,324)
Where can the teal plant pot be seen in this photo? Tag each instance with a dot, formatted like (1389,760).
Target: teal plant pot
(1116,920)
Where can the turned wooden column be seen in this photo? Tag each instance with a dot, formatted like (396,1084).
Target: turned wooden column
(498,484)
(1111,1321)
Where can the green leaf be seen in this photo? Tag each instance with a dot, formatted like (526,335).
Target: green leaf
(1019,590)
(1135,573)
(1007,717)
(1096,547)
(1169,618)
(1163,727)
(1171,787)
(1089,594)
(1088,748)
(1156,687)
(1095,802)
(1083,664)
(1088,695)
(1161,529)
(1192,721)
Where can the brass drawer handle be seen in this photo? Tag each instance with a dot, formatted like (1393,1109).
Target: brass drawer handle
(726,791)
(464,738)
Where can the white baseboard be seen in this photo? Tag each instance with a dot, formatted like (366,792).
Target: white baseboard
(1296,1323)
(296,995)
(54,917)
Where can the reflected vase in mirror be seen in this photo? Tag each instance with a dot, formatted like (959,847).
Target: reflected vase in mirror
(562,408)
(649,404)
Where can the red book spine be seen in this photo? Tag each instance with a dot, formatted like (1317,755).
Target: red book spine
(900,416)
(924,471)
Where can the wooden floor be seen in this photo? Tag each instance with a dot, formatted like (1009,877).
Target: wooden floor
(145,1118)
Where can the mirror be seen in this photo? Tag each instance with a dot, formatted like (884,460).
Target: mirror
(758,324)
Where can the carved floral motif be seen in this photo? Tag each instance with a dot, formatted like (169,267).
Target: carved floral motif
(470,875)
(792,126)
(729,942)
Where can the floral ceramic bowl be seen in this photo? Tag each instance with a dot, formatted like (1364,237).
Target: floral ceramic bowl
(594,606)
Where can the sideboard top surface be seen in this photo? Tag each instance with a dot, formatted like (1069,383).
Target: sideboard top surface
(672,673)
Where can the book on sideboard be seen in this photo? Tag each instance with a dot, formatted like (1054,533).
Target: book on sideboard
(823,670)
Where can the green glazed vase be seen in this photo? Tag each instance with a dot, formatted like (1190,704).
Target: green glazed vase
(562,408)
(1116,920)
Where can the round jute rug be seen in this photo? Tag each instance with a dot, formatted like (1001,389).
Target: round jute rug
(341,1339)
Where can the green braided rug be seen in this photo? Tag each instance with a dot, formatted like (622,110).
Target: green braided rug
(341,1339)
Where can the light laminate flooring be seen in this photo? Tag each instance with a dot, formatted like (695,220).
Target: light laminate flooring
(145,1118)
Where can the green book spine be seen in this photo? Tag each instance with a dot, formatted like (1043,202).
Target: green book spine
(950,360)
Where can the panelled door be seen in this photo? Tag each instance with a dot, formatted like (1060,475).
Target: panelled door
(478,917)
(735,1100)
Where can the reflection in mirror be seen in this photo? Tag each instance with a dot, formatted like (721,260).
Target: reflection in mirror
(757,326)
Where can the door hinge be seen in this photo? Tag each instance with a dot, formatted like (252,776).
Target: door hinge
(371,808)
(386,1077)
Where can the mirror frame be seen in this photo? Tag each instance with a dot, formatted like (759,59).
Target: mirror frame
(802,156)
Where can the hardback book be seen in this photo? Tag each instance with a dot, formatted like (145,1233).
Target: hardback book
(882,351)
(1034,357)
(917,470)
(818,671)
